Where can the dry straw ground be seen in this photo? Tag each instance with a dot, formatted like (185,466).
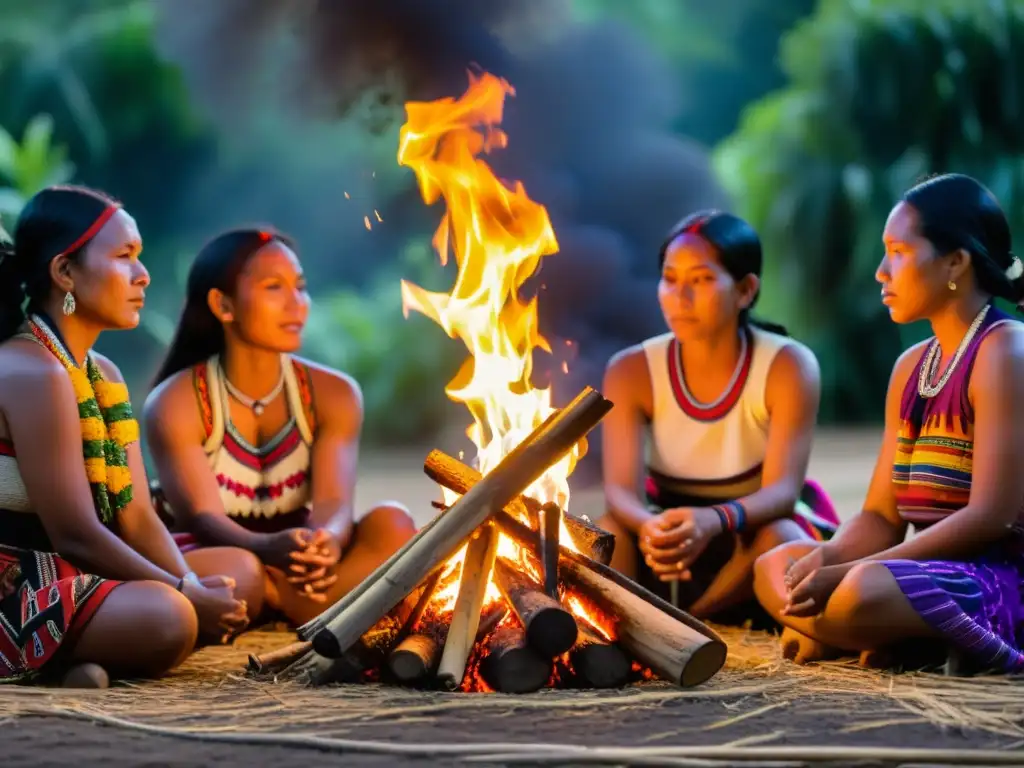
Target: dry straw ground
(760,710)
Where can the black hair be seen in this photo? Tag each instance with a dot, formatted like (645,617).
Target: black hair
(199,334)
(955,211)
(737,247)
(56,220)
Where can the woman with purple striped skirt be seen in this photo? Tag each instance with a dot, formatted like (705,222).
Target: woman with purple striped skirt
(950,464)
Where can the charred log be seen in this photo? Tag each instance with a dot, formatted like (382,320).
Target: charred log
(550,629)
(511,665)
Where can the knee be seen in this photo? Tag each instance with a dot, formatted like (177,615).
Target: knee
(171,629)
(249,574)
(862,594)
(776,559)
(391,522)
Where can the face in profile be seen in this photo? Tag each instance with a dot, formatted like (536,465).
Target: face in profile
(697,295)
(271,302)
(915,282)
(109,280)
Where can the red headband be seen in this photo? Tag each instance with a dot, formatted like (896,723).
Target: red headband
(95,227)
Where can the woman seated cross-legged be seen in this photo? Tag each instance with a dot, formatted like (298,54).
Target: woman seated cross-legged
(91,583)
(950,462)
(256,448)
(728,406)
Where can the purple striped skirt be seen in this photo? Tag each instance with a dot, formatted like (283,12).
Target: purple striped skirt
(976,606)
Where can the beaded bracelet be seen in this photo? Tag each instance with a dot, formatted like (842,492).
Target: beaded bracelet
(723,516)
(733,516)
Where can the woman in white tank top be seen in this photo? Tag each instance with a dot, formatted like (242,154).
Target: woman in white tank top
(721,411)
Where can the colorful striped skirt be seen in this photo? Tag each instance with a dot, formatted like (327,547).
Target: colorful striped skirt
(44,599)
(976,606)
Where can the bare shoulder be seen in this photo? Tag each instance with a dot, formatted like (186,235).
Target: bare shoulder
(906,363)
(333,390)
(629,364)
(627,380)
(795,363)
(1001,356)
(30,375)
(172,403)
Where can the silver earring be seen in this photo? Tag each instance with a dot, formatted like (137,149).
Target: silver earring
(69,303)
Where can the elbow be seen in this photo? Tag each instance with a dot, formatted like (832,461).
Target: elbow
(76,545)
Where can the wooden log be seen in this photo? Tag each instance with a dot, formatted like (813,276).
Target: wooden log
(678,647)
(491,617)
(311,628)
(518,470)
(414,659)
(527,538)
(675,652)
(550,628)
(599,663)
(363,658)
(512,665)
(452,474)
(279,658)
(476,573)
(429,589)
(550,525)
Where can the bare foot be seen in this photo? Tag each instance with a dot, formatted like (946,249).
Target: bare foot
(801,649)
(86,675)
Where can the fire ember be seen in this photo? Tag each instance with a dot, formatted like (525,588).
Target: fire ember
(501,591)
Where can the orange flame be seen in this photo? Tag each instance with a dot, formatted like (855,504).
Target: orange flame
(498,236)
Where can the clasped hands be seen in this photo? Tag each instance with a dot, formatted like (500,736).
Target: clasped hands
(671,541)
(307,557)
(810,582)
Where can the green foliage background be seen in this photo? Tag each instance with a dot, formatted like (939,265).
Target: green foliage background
(814,137)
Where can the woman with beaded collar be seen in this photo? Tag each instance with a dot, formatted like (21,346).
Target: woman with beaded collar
(255,447)
(91,583)
(728,405)
(949,463)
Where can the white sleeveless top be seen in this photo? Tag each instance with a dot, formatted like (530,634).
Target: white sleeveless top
(257,482)
(712,450)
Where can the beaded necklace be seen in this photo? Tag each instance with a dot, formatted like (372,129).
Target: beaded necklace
(931,363)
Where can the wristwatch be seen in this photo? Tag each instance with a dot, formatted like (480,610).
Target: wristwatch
(189,578)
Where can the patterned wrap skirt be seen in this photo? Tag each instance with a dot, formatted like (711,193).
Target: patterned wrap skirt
(44,600)
(976,606)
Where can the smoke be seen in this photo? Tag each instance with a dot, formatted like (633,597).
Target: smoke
(590,133)
(328,55)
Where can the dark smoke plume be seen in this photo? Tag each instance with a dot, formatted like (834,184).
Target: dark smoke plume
(589,134)
(329,54)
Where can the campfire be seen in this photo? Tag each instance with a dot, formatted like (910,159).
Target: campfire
(502,590)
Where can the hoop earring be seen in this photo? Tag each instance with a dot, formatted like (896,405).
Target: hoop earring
(69,303)
(951,285)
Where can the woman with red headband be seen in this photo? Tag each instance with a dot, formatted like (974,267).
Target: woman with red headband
(727,406)
(91,584)
(256,448)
